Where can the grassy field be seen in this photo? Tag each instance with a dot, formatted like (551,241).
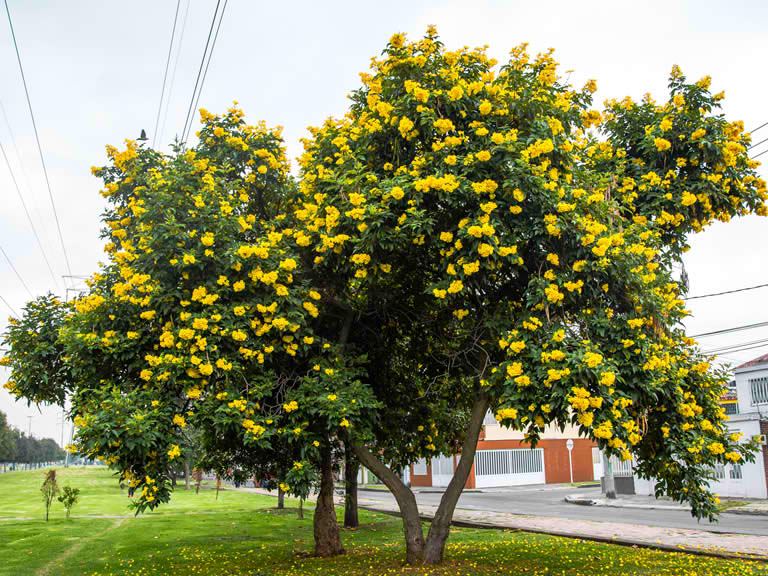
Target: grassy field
(241,533)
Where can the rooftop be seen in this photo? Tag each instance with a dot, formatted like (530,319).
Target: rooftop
(756,361)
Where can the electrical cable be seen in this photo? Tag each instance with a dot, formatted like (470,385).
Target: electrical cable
(758,143)
(37,138)
(29,217)
(726,292)
(165,75)
(16,272)
(734,329)
(175,68)
(210,55)
(733,346)
(740,349)
(9,306)
(758,128)
(200,70)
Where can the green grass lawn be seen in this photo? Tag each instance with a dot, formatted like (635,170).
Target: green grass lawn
(241,533)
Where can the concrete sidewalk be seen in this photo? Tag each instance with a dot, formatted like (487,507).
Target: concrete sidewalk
(498,490)
(744,546)
(751,507)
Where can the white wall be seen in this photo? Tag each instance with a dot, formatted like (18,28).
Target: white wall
(744,391)
(750,485)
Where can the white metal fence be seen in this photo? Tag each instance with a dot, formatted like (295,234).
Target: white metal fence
(511,467)
(442,470)
(620,467)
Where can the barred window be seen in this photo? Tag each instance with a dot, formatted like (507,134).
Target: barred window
(759,388)
(731,408)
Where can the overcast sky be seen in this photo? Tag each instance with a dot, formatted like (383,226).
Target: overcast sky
(95,70)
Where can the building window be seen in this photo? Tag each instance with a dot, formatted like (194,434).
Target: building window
(735,471)
(759,388)
(420,467)
(731,408)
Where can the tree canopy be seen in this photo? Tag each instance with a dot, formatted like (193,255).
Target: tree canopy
(467,237)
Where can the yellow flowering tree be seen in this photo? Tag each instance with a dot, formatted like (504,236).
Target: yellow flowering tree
(469,237)
(204,316)
(526,241)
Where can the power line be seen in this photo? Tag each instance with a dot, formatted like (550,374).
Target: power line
(175,67)
(737,345)
(726,292)
(16,272)
(758,128)
(37,138)
(758,155)
(758,143)
(165,75)
(727,330)
(210,55)
(9,306)
(26,211)
(35,206)
(199,72)
(741,349)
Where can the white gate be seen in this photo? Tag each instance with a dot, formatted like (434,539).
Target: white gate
(513,467)
(442,470)
(729,481)
(619,467)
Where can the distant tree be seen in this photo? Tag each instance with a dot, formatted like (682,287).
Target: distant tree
(7,441)
(49,489)
(41,371)
(49,450)
(69,498)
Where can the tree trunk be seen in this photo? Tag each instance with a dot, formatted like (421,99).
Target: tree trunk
(351,468)
(326,528)
(280,498)
(186,472)
(440,527)
(608,482)
(406,501)
(301,509)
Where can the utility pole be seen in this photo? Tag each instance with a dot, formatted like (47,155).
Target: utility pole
(610,485)
(29,426)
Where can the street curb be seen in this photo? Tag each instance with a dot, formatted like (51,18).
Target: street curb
(601,539)
(745,512)
(465,491)
(593,502)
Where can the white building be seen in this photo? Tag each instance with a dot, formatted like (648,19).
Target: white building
(743,480)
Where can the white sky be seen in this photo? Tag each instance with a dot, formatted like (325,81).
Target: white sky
(95,70)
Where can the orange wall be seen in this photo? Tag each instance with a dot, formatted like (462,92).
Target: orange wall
(422,480)
(556,467)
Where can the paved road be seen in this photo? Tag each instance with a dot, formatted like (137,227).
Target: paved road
(549,502)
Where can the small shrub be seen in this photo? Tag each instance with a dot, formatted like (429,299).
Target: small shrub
(49,489)
(69,498)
